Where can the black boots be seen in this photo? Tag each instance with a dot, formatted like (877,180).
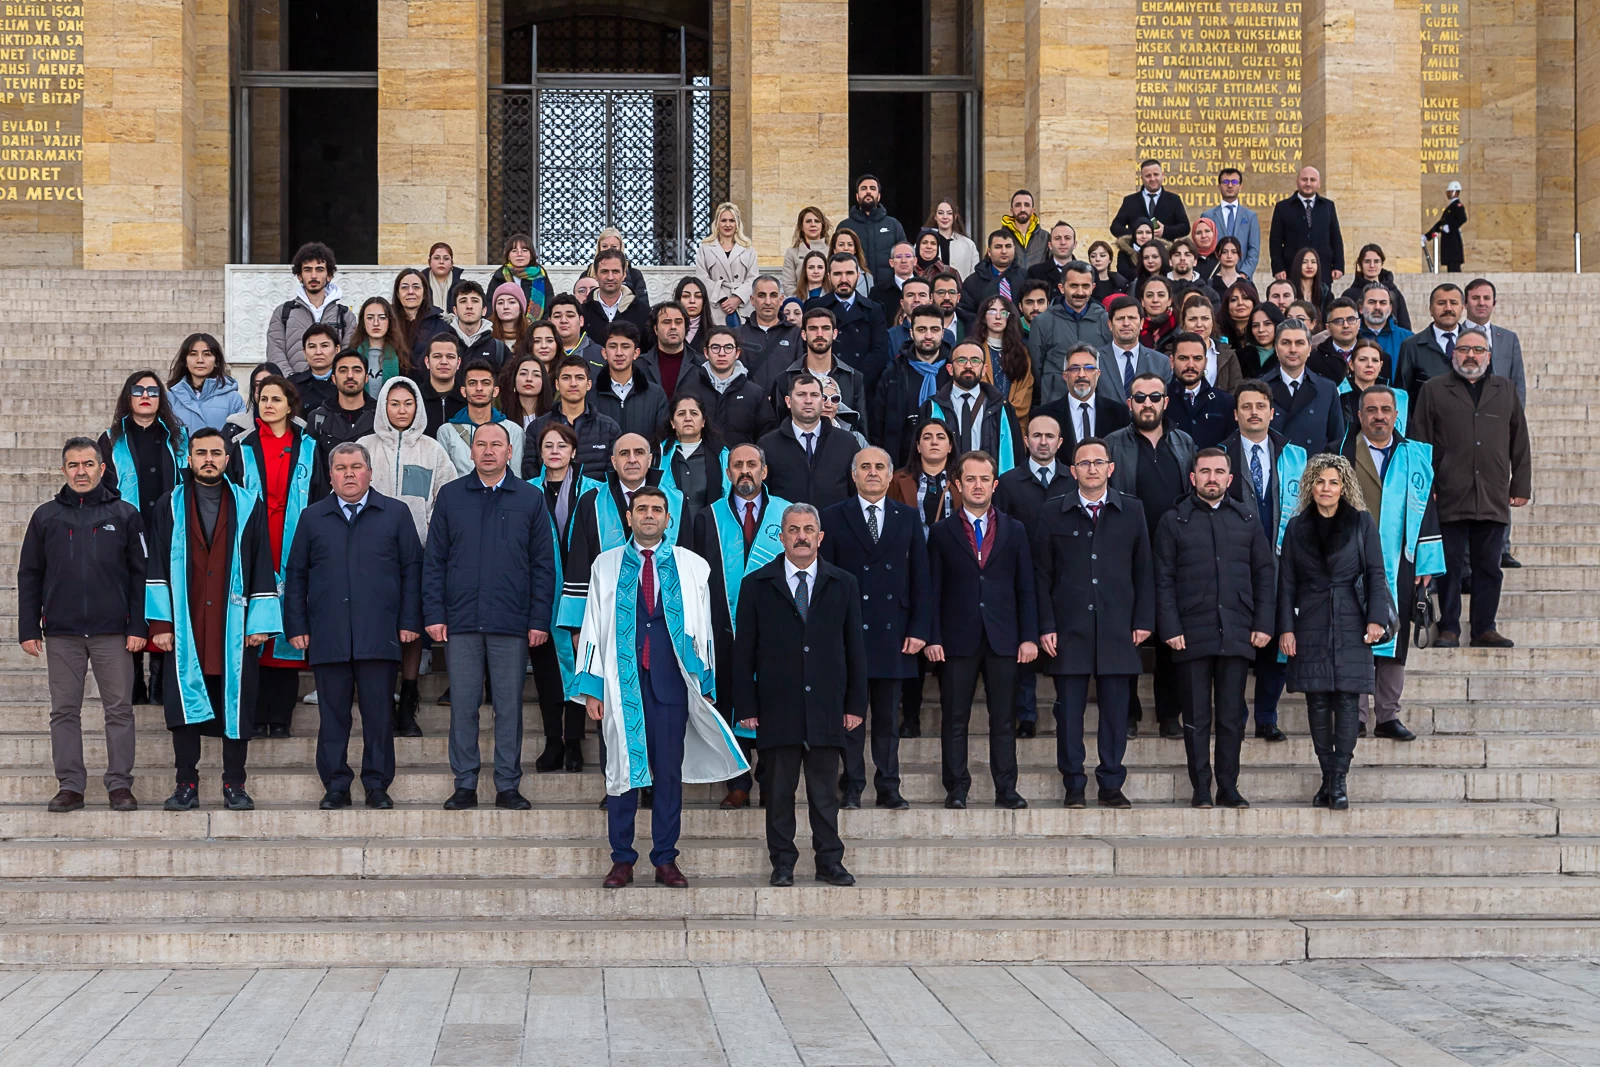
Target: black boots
(554,754)
(405,710)
(1335,722)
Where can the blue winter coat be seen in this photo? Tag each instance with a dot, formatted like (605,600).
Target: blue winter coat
(490,562)
(217,399)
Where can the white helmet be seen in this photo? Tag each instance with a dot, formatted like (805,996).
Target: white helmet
(1453,187)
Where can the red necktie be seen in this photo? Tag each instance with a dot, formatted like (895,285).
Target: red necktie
(647,589)
(1094,513)
(749,524)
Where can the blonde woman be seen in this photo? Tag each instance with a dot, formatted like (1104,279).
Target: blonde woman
(726,265)
(1333,606)
(811,232)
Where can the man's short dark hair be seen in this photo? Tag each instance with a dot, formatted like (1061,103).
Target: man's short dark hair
(610,253)
(1212,453)
(1186,243)
(1375,387)
(1445,287)
(1022,192)
(646,492)
(1379,286)
(948,275)
(995,235)
(819,313)
(573,360)
(1184,337)
(1483,283)
(1150,163)
(564,300)
(443,339)
(1148,376)
(1030,285)
(477,366)
(504,426)
(766,278)
(75,444)
(625,330)
(312,252)
(804,378)
(1085,442)
(865,178)
(320,329)
(1343,302)
(350,353)
(200,434)
(1122,303)
(666,305)
(915,279)
(843,257)
(926,311)
(1235,171)
(1251,385)
(1076,266)
(977,457)
(724,331)
(466,286)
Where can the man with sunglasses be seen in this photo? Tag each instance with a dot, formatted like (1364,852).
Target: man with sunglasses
(1151,463)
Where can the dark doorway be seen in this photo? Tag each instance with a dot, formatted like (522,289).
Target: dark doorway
(888,138)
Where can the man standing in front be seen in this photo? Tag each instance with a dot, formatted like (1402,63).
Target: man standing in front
(1483,467)
(646,669)
(1307,219)
(359,550)
(1306,406)
(1505,358)
(1235,220)
(488,576)
(1216,589)
(801,678)
(879,542)
(211,597)
(80,601)
(1153,202)
(1096,606)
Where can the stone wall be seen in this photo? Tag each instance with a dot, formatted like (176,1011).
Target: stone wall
(1588,130)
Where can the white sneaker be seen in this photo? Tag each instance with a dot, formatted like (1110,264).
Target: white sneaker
(309,698)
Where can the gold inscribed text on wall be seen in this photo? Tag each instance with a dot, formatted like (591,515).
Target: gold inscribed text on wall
(41,129)
(1443,30)
(1219,85)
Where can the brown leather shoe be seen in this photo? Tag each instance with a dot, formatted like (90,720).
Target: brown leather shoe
(66,800)
(1492,639)
(122,800)
(621,875)
(668,875)
(736,798)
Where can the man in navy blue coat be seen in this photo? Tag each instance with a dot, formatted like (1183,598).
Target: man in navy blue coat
(880,542)
(863,337)
(488,587)
(1305,405)
(985,622)
(1196,406)
(359,550)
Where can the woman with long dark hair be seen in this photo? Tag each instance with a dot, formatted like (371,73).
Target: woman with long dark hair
(1305,274)
(519,268)
(526,390)
(199,388)
(1334,604)
(1261,346)
(543,343)
(1225,274)
(277,460)
(1107,282)
(380,340)
(692,456)
(998,327)
(144,450)
(691,293)
(1238,301)
(1155,304)
(415,317)
(813,276)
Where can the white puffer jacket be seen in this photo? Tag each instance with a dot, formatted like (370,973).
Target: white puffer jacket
(407,464)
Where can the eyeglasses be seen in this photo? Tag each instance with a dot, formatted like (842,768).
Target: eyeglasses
(1229,181)
(967,362)
(1002,312)
(1344,320)
(1087,368)
(1092,464)
(154,391)
(1471,350)
(1147,398)
(721,350)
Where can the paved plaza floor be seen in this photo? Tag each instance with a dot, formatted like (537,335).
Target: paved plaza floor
(1329,1014)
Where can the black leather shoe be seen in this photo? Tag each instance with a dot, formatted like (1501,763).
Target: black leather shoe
(379,800)
(908,729)
(1074,800)
(836,876)
(956,803)
(1446,639)
(647,799)
(462,799)
(552,756)
(1338,798)
(1361,731)
(1394,730)
(850,802)
(259,731)
(1114,798)
(574,758)
(334,799)
(1270,733)
(1014,802)
(1133,727)
(1320,798)
(512,800)
(893,801)
(1508,561)
(443,698)
(1027,729)
(278,731)
(1230,798)
(234,798)
(1201,799)
(184,798)
(782,877)
(1170,730)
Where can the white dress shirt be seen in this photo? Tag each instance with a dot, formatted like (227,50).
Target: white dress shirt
(882,504)
(1034,467)
(1079,409)
(1439,335)
(800,435)
(957,396)
(1294,384)
(790,570)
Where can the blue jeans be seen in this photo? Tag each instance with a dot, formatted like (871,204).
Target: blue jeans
(664,726)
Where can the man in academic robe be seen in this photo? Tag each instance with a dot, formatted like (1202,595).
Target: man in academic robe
(646,662)
(737,535)
(602,522)
(211,597)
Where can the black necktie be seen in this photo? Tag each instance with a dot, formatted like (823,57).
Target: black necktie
(1150,205)
(1307,204)
(1449,345)
(1083,411)
(811,453)
(872,522)
(802,596)
(352,510)
(966,422)
(1044,477)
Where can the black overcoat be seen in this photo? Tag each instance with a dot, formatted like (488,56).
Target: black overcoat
(1096,584)
(1317,602)
(1215,580)
(891,575)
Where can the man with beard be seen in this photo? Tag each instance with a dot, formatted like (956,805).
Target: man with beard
(1076,320)
(211,598)
(1083,411)
(1150,463)
(981,416)
(737,535)
(1202,411)
(918,372)
(878,233)
(1216,590)
(861,329)
(947,298)
(764,337)
(818,331)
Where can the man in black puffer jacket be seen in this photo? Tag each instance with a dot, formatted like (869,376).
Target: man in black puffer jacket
(1215,598)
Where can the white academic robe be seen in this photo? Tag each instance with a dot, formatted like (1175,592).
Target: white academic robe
(710,751)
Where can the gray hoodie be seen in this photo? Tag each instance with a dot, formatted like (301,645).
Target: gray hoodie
(407,464)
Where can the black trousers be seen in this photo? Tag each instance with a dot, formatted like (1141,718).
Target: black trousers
(186,744)
(337,683)
(911,694)
(958,683)
(883,696)
(1111,702)
(277,692)
(1479,544)
(781,768)
(748,780)
(563,720)
(1218,678)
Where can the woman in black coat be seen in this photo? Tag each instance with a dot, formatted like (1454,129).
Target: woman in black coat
(1333,606)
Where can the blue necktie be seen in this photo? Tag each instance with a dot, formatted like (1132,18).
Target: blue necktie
(1128,365)
(1258,476)
(977,534)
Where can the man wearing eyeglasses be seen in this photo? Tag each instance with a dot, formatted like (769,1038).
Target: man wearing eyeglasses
(1151,463)
(735,406)
(979,413)
(1235,220)
(1331,358)
(1084,411)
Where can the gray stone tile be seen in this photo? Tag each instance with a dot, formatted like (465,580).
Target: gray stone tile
(478,1045)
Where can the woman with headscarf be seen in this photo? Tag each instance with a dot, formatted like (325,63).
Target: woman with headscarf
(932,249)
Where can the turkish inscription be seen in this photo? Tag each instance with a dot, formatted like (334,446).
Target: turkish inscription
(41,127)
(1442,34)
(1219,85)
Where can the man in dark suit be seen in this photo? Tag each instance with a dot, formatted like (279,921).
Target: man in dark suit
(984,623)
(1152,202)
(808,458)
(1023,493)
(863,337)
(978,412)
(1096,601)
(879,542)
(1267,483)
(1000,274)
(736,535)
(799,660)
(1307,220)
(1306,406)
(359,550)
(1427,353)
(1125,358)
(1202,411)
(1084,411)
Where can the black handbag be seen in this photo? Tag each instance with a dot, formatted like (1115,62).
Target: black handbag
(1424,617)
(1392,618)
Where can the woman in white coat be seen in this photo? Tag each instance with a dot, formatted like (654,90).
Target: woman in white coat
(726,264)
(411,467)
(811,232)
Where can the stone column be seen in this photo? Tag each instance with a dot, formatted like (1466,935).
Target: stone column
(1004,70)
(1555,134)
(1363,123)
(140,173)
(432,128)
(1500,120)
(792,138)
(1588,132)
(1081,146)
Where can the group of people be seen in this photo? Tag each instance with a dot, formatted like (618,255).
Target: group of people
(737,544)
